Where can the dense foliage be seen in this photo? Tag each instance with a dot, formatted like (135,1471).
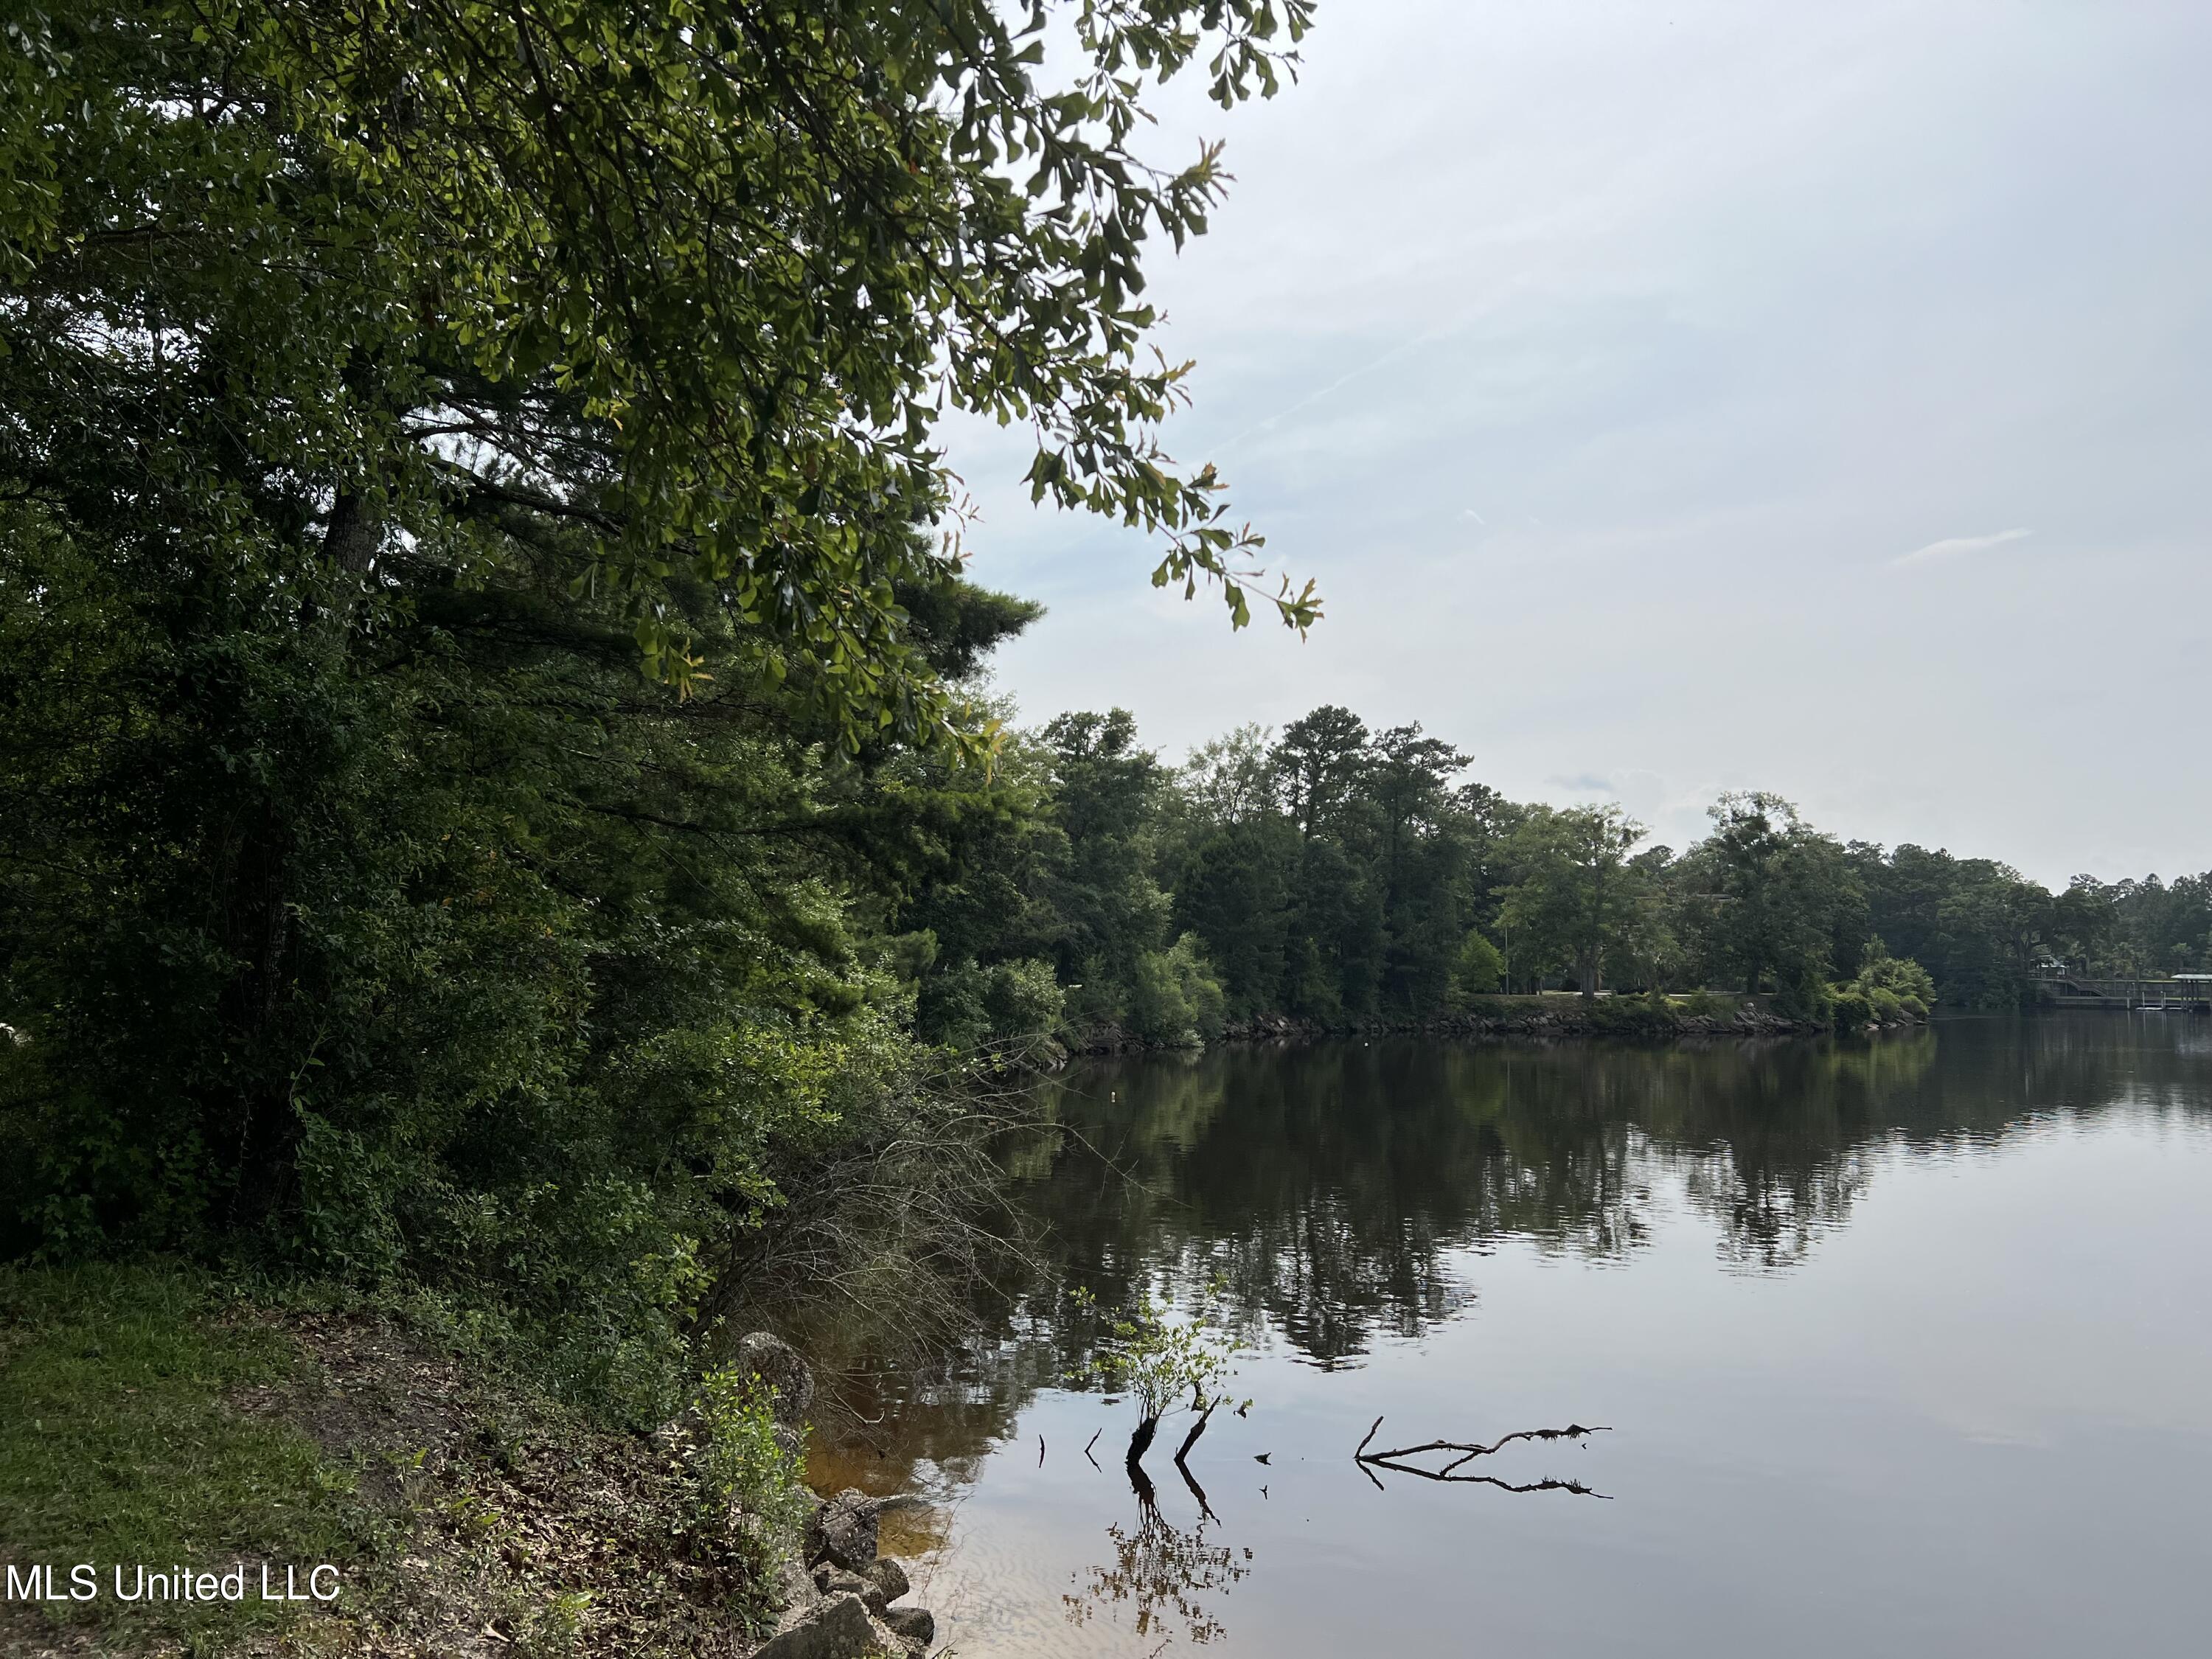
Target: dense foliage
(1336,874)
(382,386)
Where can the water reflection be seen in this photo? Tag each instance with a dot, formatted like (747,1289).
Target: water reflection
(1158,1576)
(1349,1196)
(1332,1185)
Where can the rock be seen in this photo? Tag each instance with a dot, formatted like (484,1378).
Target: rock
(840,1582)
(889,1579)
(777,1364)
(838,1628)
(916,1624)
(844,1532)
(890,1642)
(801,1590)
(881,1582)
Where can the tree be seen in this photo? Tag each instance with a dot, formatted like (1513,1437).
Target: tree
(1646,948)
(1408,785)
(1478,967)
(1409,781)
(361,281)
(1334,948)
(1232,889)
(1573,886)
(1112,912)
(1226,782)
(459,955)
(1778,895)
(1977,926)
(1993,927)
(382,386)
(1319,764)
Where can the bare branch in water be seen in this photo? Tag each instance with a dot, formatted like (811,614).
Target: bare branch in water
(1397,1459)
(1196,1429)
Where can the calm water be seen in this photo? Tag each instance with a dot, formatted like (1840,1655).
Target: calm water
(1906,1349)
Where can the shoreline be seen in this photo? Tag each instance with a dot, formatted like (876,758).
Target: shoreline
(1632,1018)
(418,1498)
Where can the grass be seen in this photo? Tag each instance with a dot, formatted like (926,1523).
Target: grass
(123,1441)
(159,1415)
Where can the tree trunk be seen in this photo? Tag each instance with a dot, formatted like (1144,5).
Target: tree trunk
(258,935)
(353,535)
(259,1133)
(1141,1442)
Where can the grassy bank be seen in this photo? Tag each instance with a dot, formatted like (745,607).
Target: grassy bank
(156,1415)
(132,1437)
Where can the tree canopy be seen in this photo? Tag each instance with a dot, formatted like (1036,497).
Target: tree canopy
(677,292)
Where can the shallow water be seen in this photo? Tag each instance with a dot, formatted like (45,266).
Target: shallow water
(1905,1348)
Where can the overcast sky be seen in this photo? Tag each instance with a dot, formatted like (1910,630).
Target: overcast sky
(1676,398)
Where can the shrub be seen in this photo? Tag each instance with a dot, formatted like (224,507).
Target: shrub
(968,1007)
(1803,995)
(746,1462)
(752,1496)
(953,1008)
(1478,967)
(1176,1000)
(1886,989)
(1630,1016)
(1023,999)
(1850,1007)
(1157,1358)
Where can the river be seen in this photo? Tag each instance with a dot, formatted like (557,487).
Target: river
(1901,1346)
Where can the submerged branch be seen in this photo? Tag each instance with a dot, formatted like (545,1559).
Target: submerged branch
(1397,1459)
(1196,1429)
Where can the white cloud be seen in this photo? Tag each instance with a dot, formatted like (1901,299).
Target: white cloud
(1953,546)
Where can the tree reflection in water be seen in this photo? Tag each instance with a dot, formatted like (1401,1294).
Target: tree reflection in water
(1347,1192)
(1159,1572)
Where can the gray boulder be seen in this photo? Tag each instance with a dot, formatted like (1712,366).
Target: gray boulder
(912,1625)
(844,1532)
(778,1365)
(838,1581)
(888,1580)
(801,1594)
(838,1628)
(892,1645)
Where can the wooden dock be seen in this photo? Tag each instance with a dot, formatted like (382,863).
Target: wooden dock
(2191,993)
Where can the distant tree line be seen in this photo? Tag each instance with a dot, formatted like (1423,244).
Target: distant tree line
(1335,874)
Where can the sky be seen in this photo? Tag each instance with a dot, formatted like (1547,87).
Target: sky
(1670,398)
